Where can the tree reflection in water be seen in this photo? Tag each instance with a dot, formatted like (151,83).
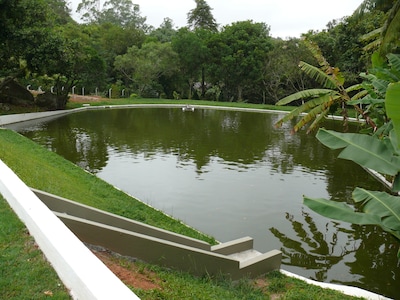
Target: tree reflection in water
(322,246)
(312,248)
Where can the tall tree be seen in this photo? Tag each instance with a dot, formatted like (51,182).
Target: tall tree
(201,17)
(28,43)
(144,66)
(343,45)
(282,76)
(61,11)
(165,32)
(122,13)
(192,51)
(238,58)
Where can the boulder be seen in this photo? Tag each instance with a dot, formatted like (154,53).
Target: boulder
(12,92)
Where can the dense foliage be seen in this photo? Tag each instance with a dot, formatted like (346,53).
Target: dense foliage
(113,49)
(377,146)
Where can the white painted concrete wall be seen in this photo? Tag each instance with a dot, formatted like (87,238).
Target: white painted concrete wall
(80,270)
(347,290)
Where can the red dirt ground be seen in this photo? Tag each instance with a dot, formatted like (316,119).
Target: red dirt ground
(131,275)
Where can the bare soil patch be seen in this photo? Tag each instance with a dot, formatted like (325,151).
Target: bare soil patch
(128,272)
(83,99)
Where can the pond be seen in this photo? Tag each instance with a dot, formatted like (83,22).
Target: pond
(232,174)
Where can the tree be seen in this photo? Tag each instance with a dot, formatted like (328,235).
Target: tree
(282,76)
(165,32)
(111,40)
(20,37)
(191,47)
(343,45)
(122,13)
(386,37)
(144,66)
(30,44)
(238,57)
(201,17)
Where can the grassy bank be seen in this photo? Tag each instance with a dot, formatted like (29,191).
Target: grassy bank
(47,171)
(24,273)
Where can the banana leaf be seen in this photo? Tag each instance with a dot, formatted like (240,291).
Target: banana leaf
(391,29)
(359,95)
(354,87)
(339,211)
(393,107)
(317,113)
(311,93)
(378,208)
(394,60)
(317,120)
(319,76)
(303,108)
(366,101)
(367,151)
(380,85)
(383,205)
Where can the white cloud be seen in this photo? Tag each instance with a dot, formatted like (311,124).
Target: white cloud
(287,18)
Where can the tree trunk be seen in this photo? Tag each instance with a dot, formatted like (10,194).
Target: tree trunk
(203,83)
(240,93)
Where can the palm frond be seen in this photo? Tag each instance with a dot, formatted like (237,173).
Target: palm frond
(311,93)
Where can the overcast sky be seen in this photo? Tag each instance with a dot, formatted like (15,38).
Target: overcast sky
(287,18)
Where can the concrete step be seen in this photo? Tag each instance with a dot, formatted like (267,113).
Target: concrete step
(127,237)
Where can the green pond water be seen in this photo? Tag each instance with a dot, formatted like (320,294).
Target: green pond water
(232,174)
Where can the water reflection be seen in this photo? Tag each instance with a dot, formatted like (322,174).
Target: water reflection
(320,248)
(231,174)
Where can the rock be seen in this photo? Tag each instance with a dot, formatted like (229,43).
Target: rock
(13,93)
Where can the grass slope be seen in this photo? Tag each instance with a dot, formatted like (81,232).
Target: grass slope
(24,273)
(47,171)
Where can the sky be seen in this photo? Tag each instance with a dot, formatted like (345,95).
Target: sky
(286,18)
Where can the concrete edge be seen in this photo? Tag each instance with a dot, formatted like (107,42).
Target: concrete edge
(234,246)
(347,290)
(80,270)
(17,118)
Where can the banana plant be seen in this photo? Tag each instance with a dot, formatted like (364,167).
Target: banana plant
(376,83)
(317,103)
(385,38)
(377,152)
